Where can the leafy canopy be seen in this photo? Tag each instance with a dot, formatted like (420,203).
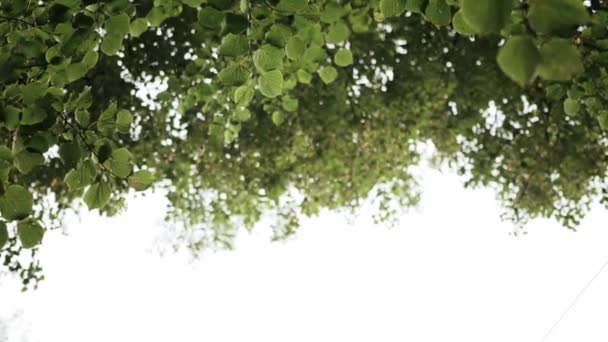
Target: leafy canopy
(239,109)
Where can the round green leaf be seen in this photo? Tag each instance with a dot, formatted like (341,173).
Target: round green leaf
(271,83)
(391,8)
(138,27)
(141,180)
(111,43)
(81,176)
(343,57)
(486,16)
(16,203)
(234,75)
(295,48)
(234,45)
(30,232)
(243,95)
(438,12)
(561,60)
(70,153)
(518,59)
(119,162)
(571,106)
(98,195)
(268,58)
(556,17)
(338,32)
(461,26)
(124,119)
(328,74)
(118,24)
(26,161)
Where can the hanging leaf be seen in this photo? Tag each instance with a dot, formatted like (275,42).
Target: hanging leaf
(438,12)
(343,58)
(486,16)
(328,74)
(30,233)
(271,83)
(98,195)
(518,59)
(556,17)
(141,180)
(81,176)
(16,203)
(561,60)
(119,162)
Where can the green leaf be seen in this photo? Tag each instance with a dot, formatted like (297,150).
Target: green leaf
(124,119)
(30,232)
(26,161)
(111,43)
(138,27)
(107,120)
(16,203)
(518,59)
(461,26)
(268,58)
(328,74)
(343,58)
(76,71)
(118,24)
(33,91)
(571,106)
(83,118)
(234,45)
(243,95)
(242,114)
(295,48)
(292,6)
(98,195)
(486,16)
(234,75)
(438,12)
(32,115)
(556,17)
(561,60)
(210,18)
(277,118)
(304,76)
(193,3)
(338,32)
(290,104)
(271,83)
(141,180)
(3,234)
(119,162)
(156,16)
(70,153)
(391,8)
(90,59)
(278,35)
(82,176)
(416,6)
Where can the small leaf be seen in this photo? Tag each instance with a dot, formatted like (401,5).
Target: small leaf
(234,75)
(210,18)
(26,161)
(30,232)
(243,95)
(292,6)
(268,58)
(16,203)
(561,60)
(518,59)
(70,153)
(271,83)
(438,12)
(234,45)
(118,24)
(343,58)
(141,180)
(277,118)
(295,48)
(106,123)
(328,74)
(98,195)
(111,43)
(82,176)
(556,17)
(461,26)
(391,8)
(138,27)
(571,106)
(338,32)
(124,119)
(486,16)
(119,162)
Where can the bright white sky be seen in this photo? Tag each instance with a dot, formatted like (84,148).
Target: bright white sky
(450,272)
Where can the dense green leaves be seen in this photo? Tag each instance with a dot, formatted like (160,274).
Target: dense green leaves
(239,105)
